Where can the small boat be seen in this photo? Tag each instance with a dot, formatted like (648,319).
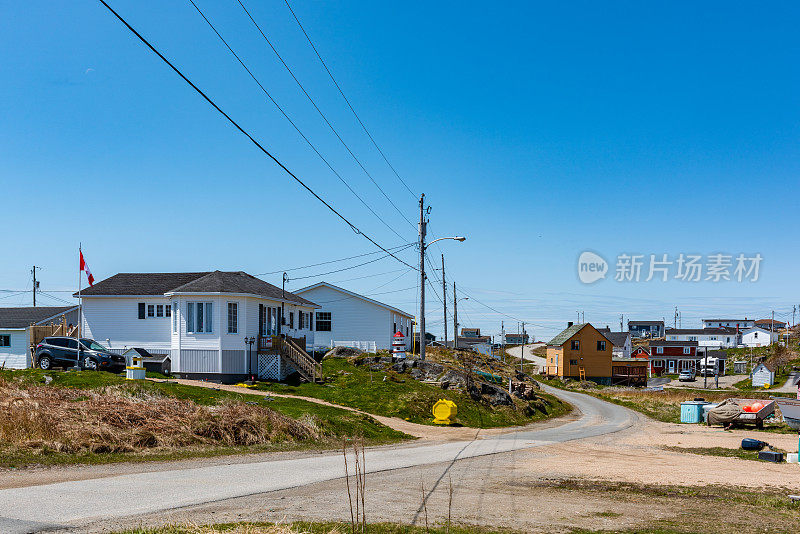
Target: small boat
(790,409)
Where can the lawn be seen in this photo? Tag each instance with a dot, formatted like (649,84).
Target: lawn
(92,416)
(313,528)
(398,395)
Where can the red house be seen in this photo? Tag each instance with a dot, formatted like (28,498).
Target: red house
(672,356)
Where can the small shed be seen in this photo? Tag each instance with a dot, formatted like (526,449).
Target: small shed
(763,375)
(739,368)
(155,363)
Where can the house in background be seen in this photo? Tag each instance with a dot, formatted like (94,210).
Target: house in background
(349,319)
(770,324)
(580,351)
(641,352)
(646,329)
(622,342)
(757,336)
(712,337)
(516,339)
(201,320)
(15,331)
(672,356)
(741,324)
(470,337)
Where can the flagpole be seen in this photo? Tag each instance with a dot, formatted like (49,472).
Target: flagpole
(80,309)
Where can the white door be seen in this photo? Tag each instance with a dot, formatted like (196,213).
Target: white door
(671,366)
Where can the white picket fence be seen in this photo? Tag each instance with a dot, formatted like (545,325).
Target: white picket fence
(366,346)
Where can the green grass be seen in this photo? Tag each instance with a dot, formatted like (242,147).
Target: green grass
(399,395)
(333,423)
(721,451)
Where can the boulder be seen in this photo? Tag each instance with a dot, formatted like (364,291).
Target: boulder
(454,378)
(496,395)
(399,367)
(343,352)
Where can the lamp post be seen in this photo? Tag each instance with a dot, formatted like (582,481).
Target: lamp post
(249,342)
(422,248)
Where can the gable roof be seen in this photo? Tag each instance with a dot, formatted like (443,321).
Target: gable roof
(673,343)
(204,282)
(24,317)
(770,321)
(352,295)
(570,331)
(617,339)
(660,323)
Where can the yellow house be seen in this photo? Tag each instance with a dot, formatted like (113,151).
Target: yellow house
(581,352)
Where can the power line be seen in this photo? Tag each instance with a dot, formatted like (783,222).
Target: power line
(313,103)
(346,268)
(331,261)
(364,295)
(348,101)
(367,276)
(286,116)
(250,137)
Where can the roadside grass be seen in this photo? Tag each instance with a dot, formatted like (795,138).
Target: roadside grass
(83,417)
(315,528)
(720,451)
(398,395)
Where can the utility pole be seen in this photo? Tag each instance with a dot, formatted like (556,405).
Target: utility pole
(35,286)
(455,318)
(522,349)
(621,317)
(675,318)
(444,303)
(503,341)
(422,276)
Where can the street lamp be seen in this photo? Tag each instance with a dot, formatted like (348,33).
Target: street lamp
(422,248)
(249,341)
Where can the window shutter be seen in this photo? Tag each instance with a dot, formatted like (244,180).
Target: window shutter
(260,319)
(141,310)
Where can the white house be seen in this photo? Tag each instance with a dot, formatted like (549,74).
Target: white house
(758,337)
(201,320)
(347,318)
(15,340)
(741,324)
(715,338)
(762,375)
(622,344)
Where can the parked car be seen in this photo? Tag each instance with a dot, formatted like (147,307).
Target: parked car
(59,351)
(687,375)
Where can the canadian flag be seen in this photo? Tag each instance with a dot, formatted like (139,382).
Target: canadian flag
(85,267)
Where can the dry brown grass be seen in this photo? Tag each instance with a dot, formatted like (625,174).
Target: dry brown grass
(125,419)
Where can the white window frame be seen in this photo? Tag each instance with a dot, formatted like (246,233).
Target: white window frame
(328,320)
(659,350)
(687,350)
(7,336)
(658,363)
(175,318)
(235,317)
(191,318)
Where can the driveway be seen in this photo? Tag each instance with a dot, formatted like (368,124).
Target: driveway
(75,503)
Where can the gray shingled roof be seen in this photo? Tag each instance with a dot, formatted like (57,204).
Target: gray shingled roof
(24,317)
(565,334)
(616,338)
(206,282)
(673,343)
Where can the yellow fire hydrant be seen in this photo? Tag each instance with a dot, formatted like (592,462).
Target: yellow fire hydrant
(443,410)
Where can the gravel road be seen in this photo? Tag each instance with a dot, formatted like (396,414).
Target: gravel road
(71,504)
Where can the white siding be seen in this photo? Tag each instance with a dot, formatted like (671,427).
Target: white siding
(757,337)
(114,321)
(16,356)
(762,375)
(354,319)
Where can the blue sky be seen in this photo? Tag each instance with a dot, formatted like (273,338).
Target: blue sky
(538,130)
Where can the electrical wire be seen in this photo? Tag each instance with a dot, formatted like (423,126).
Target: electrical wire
(286,116)
(321,114)
(345,268)
(333,261)
(348,101)
(248,135)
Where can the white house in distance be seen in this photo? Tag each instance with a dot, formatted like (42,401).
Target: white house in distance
(715,338)
(347,318)
(758,337)
(622,344)
(201,321)
(15,339)
(741,324)
(763,375)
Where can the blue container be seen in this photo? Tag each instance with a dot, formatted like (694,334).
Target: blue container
(692,411)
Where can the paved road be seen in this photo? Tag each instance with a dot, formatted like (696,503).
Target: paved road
(65,504)
(526,352)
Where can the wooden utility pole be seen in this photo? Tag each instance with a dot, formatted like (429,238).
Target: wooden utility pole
(455,318)
(444,302)
(35,286)
(422,277)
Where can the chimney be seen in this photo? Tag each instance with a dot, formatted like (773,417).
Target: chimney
(569,324)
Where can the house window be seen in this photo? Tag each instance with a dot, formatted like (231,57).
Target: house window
(300,320)
(5,341)
(233,318)
(687,350)
(692,338)
(199,317)
(755,334)
(311,321)
(573,362)
(168,310)
(151,310)
(575,345)
(394,328)
(601,345)
(160,310)
(659,350)
(324,321)
(142,308)
(174,318)
(658,363)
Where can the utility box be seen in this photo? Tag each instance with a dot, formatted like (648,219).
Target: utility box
(443,410)
(692,411)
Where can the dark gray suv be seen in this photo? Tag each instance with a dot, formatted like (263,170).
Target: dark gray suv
(65,351)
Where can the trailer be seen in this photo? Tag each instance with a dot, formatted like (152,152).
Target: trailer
(731,411)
